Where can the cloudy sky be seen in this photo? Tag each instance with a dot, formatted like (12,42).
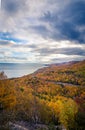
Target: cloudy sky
(42,31)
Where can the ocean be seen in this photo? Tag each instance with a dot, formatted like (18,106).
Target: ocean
(13,70)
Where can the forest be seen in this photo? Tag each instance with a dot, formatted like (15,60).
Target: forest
(50,97)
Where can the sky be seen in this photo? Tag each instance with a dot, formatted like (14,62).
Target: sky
(42,31)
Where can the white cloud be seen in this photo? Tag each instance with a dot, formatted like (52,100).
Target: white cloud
(25,20)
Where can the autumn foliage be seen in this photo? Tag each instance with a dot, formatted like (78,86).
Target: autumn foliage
(43,97)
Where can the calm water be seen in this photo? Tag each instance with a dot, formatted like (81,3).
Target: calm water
(17,69)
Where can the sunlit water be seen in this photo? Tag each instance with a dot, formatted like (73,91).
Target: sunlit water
(18,69)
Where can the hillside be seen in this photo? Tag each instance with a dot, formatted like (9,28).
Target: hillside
(71,72)
(53,96)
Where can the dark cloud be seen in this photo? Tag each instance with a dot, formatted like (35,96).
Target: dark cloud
(50,17)
(65,51)
(12,7)
(17,58)
(67,59)
(40,30)
(73,51)
(27,24)
(68,31)
(2,52)
(32,46)
(77,12)
(5,43)
(66,22)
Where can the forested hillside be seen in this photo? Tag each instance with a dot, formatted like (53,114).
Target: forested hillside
(71,72)
(53,96)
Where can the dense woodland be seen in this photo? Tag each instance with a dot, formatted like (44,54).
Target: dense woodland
(54,95)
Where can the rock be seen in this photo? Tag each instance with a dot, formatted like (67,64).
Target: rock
(2,75)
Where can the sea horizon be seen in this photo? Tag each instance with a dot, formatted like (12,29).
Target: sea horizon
(14,70)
